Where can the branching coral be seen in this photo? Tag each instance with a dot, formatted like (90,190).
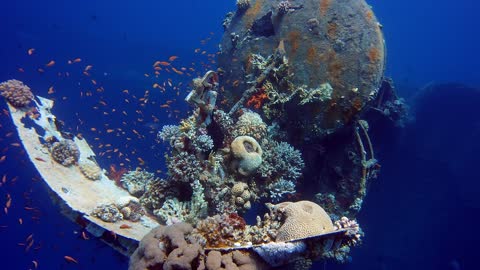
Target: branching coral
(16,93)
(65,152)
(278,190)
(322,93)
(281,160)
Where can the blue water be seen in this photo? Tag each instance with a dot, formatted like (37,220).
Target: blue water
(420,214)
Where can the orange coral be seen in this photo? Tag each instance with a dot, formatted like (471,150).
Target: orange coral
(374,55)
(252,12)
(324,5)
(332,30)
(311,55)
(257,100)
(369,15)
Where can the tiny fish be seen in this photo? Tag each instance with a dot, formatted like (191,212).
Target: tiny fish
(21,70)
(70,259)
(172,58)
(87,68)
(35,264)
(40,159)
(50,64)
(84,236)
(31,51)
(2,159)
(51,90)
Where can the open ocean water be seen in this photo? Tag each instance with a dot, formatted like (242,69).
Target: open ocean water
(422,211)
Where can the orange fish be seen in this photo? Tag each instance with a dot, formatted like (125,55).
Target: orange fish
(40,70)
(21,70)
(77,60)
(51,90)
(172,58)
(2,159)
(31,51)
(177,71)
(155,85)
(35,264)
(70,259)
(125,226)
(50,64)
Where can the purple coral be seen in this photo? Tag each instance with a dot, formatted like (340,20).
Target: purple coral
(16,93)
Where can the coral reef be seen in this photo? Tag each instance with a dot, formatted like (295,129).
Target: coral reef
(156,193)
(16,93)
(65,152)
(136,182)
(247,155)
(174,210)
(132,211)
(90,169)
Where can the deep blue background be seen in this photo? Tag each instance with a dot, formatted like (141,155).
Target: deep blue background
(420,213)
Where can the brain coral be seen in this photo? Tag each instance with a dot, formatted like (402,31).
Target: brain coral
(247,154)
(65,152)
(17,93)
(303,219)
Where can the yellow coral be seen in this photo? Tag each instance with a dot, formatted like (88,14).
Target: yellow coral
(303,219)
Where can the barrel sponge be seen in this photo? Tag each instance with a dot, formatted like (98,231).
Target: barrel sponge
(247,154)
(302,219)
(16,93)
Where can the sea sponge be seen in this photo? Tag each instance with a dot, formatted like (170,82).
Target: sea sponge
(16,93)
(302,219)
(90,169)
(247,155)
(65,152)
